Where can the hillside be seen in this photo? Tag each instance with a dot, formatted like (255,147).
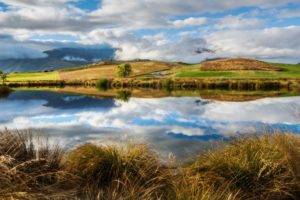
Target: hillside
(238,64)
(109,70)
(57,59)
(148,69)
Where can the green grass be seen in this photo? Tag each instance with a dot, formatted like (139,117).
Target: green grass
(33,76)
(290,71)
(205,74)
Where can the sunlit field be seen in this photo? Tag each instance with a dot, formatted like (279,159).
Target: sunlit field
(33,76)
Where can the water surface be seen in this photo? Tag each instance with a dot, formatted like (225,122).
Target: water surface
(178,125)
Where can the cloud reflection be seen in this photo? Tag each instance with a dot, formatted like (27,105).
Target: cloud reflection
(164,122)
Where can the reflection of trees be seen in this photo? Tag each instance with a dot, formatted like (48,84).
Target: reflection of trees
(102,84)
(124,95)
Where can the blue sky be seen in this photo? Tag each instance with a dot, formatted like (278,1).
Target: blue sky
(153,29)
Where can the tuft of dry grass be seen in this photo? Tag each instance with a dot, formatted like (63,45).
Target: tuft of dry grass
(266,167)
(134,172)
(28,171)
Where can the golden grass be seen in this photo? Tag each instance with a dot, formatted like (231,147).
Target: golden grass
(265,167)
(237,64)
(30,171)
(96,72)
(115,173)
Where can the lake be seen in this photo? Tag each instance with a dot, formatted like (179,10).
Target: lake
(177,125)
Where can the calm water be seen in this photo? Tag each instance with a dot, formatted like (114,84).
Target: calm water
(179,125)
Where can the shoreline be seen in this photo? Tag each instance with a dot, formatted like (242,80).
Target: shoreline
(174,83)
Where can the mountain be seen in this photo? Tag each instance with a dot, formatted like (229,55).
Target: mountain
(58,58)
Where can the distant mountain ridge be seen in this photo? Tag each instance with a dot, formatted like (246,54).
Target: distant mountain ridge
(58,58)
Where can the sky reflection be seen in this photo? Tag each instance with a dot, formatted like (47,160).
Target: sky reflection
(173,124)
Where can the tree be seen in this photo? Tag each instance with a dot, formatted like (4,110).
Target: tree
(3,77)
(124,70)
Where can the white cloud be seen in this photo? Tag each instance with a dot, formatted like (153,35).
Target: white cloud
(268,43)
(190,22)
(156,47)
(116,21)
(239,22)
(138,115)
(276,110)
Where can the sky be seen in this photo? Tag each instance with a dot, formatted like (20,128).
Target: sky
(170,30)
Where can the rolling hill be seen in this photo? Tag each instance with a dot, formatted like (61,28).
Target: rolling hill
(238,64)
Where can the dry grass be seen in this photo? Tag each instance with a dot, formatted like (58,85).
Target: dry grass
(110,71)
(237,64)
(120,173)
(264,167)
(30,171)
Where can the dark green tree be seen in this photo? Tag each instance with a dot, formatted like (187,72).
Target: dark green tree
(3,77)
(124,70)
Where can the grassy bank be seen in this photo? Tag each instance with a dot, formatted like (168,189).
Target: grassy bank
(171,84)
(265,167)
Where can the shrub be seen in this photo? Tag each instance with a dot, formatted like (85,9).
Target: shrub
(102,84)
(124,70)
(168,84)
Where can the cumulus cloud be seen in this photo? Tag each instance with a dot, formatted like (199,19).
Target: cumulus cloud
(268,43)
(116,22)
(148,47)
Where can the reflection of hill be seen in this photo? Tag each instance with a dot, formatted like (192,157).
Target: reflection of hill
(221,95)
(64,101)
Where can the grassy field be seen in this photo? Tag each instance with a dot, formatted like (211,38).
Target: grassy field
(154,69)
(263,168)
(110,71)
(289,71)
(33,76)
